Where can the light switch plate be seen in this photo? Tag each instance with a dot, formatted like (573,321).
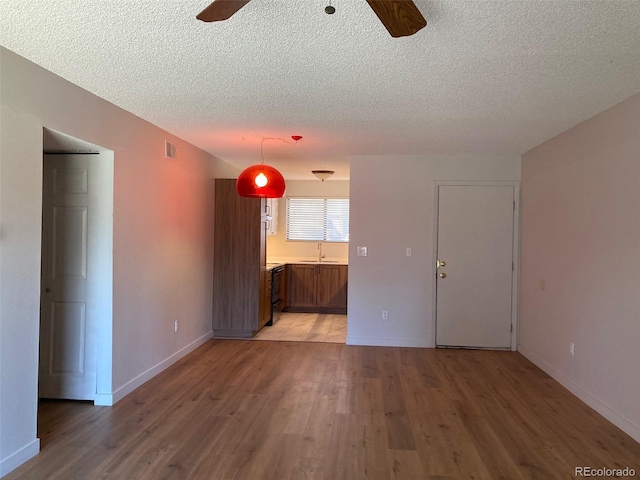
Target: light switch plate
(362,251)
(409,251)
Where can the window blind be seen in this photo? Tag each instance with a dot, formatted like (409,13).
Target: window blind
(318,219)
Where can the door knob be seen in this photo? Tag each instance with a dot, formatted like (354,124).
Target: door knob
(440,263)
(443,275)
(47,289)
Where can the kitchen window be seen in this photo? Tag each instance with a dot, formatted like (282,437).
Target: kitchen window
(318,219)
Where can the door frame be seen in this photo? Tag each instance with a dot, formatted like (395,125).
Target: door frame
(104,325)
(515,252)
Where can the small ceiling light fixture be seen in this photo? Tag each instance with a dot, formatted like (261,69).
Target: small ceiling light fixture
(322,174)
(261,181)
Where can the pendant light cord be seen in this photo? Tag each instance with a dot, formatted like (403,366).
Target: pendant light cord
(270,138)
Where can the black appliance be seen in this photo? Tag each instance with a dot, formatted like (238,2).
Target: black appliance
(277,294)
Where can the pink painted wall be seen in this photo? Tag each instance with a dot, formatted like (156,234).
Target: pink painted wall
(580,261)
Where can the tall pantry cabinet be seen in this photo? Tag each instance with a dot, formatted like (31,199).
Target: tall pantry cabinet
(240,307)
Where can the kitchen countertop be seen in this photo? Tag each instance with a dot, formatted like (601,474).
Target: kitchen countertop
(316,262)
(305,261)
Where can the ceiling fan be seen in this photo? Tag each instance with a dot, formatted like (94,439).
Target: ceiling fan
(400,17)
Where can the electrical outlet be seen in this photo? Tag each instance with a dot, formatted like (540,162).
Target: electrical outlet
(572,349)
(361,251)
(385,315)
(175,326)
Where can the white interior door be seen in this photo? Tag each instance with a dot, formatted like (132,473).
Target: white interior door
(68,327)
(474,287)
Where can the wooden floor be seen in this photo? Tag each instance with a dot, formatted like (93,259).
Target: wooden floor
(306,327)
(241,409)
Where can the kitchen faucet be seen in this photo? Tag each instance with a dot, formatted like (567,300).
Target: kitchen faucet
(320,254)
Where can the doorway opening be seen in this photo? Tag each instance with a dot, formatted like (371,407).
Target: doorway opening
(76,302)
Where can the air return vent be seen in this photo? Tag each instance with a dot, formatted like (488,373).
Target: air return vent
(170,150)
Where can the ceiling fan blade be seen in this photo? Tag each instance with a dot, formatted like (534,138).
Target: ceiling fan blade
(400,17)
(221,10)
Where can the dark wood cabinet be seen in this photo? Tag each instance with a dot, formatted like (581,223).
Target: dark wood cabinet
(318,288)
(302,284)
(332,286)
(240,306)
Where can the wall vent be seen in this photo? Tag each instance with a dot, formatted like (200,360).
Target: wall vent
(170,150)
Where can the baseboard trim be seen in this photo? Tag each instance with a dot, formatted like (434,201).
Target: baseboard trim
(320,310)
(389,342)
(614,417)
(234,333)
(147,375)
(16,459)
(103,399)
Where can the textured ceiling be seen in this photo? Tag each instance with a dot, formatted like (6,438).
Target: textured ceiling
(484,77)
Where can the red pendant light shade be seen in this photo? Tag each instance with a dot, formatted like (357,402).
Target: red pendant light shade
(261,181)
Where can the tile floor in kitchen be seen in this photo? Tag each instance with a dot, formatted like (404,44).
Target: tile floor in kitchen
(307,327)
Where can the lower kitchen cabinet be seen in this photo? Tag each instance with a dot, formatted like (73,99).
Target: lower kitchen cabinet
(302,285)
(317,288)
(332,286)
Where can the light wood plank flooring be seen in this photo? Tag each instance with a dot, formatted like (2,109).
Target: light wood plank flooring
(306,327)
(241,409)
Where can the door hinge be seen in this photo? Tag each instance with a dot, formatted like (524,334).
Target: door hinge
(514,205)
(512,328)
(513,267)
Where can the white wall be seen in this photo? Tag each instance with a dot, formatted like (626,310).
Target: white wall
(392,207)
(277,246)
(580,261)
(163,240)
